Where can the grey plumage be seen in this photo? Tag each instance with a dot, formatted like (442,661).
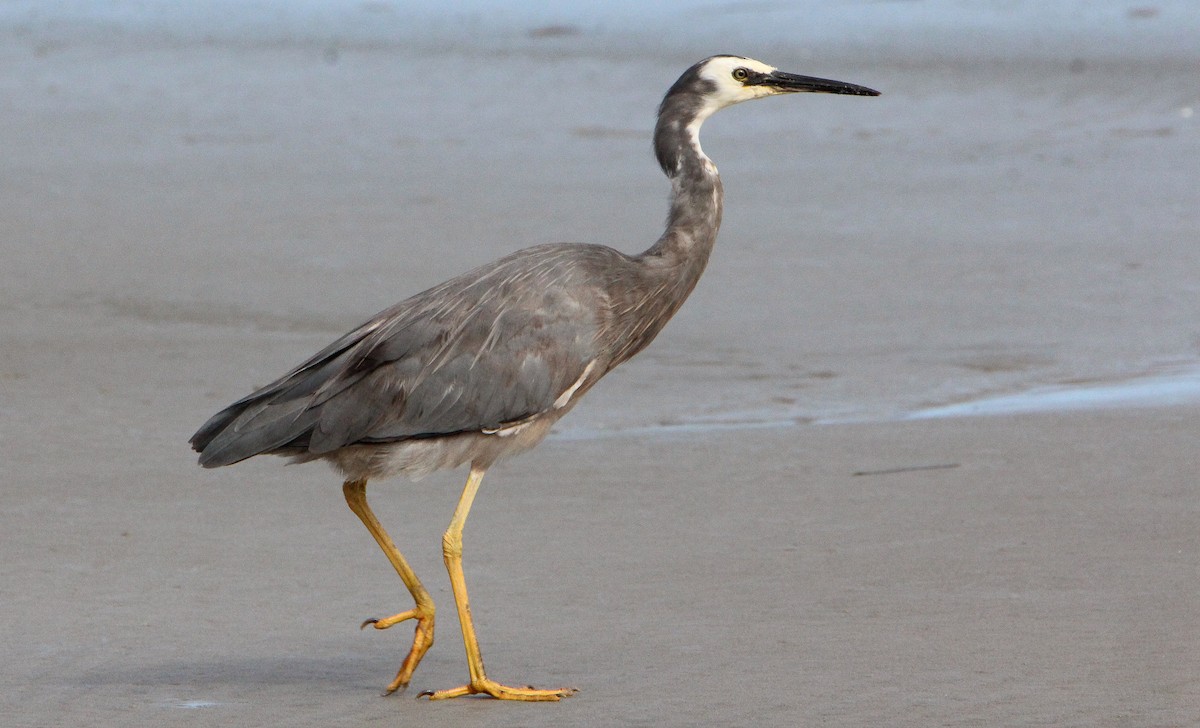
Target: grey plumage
(481,366)
(490,347)
(487,350)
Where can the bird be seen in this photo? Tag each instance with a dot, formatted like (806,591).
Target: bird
(480,367)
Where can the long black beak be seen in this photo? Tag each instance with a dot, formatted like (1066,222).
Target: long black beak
(792,83)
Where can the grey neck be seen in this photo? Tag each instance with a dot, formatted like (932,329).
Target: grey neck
(669,270)
(696,192)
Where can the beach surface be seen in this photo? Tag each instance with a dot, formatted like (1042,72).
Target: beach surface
(920,449)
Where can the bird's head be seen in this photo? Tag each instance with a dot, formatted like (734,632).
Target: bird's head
(733,79)
(721,81)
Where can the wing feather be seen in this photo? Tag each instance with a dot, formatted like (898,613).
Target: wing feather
(496,346)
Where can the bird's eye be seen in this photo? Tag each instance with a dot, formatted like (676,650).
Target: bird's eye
(740,74)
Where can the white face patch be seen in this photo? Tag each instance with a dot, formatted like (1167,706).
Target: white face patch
(729,90)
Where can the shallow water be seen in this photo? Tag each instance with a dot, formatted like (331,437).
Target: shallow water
(1179,386)
(1161,389)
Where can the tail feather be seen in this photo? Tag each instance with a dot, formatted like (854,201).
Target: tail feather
(252,428)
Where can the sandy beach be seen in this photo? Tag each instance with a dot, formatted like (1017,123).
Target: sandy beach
(796,508)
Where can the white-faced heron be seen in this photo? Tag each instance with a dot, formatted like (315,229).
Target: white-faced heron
(480,367)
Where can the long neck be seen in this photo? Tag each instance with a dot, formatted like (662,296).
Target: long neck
(696,193)
(670,268)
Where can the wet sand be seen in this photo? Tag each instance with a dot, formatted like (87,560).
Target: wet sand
(737,528)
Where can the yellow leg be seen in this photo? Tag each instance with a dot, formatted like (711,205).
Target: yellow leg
(452,552)
(356,498)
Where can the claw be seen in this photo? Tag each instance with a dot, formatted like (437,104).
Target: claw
(369,621)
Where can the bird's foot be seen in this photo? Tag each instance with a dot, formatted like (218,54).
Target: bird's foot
(484,686)
(422,641)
